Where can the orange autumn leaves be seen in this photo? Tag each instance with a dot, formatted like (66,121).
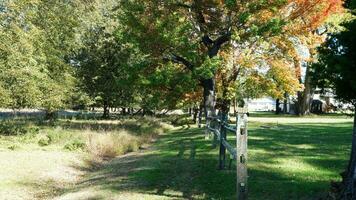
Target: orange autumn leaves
(273,22)
(310,14)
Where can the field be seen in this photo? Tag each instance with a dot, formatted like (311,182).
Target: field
(289,158)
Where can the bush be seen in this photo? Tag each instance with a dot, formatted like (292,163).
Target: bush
(13,147)
(75,145)
(8,128)
(44,141)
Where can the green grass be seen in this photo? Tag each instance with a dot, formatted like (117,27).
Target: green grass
(270,114)
(295,158)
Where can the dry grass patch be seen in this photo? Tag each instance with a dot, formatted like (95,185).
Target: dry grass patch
(111,144)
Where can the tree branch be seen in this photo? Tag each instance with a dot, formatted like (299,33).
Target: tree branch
(234,75)
(213,51)
(179,60)
(182,5)
(207,41)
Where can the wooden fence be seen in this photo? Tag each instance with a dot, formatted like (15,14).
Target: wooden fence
(219,127)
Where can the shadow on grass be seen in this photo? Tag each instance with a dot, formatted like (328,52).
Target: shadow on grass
(296,162)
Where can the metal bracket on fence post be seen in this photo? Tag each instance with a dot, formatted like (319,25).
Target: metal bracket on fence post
(241,161)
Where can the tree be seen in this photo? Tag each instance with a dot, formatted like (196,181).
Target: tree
(18,61)
(199,36)
(108,66)
(102,71)
(337,70)
(35,53)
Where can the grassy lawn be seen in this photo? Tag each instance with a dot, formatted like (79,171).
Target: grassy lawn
(271,114)
(293,158)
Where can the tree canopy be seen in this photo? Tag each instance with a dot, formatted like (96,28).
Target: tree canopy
(153,54)
(216,41)
(337,65)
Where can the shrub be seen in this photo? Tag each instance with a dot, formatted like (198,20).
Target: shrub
(8,128)
(13,147)
(75,145)
(44,141)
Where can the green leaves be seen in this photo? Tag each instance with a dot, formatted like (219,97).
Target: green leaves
(208,68)
(4,97)
(243,17)
(38,40)
(273,27)
(337,65)
(230,3)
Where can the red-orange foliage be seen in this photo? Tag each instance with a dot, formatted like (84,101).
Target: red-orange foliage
(312,13)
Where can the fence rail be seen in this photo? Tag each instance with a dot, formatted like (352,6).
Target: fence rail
(219,126)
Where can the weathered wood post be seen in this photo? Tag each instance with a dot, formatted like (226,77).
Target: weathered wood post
(241,159)
(222,152)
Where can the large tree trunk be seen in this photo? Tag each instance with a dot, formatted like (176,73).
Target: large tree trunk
(305,97)
(348,183)
(195,114)
(123,110)
(106,109)
(209,97)
(200,115)
(278,109)
(51,115)
(209,102)
(285,102)
(346,190)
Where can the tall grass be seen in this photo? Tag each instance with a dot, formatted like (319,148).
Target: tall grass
(101,139)
(111,144)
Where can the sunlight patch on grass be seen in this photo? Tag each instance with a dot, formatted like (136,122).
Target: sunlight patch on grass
(256,138)
(292,120)
(301,146)
(298,166)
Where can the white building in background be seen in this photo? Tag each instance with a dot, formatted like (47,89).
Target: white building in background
(322,101)
(261,104)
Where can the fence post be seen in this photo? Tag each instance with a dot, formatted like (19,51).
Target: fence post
(241,159)
(222,152)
